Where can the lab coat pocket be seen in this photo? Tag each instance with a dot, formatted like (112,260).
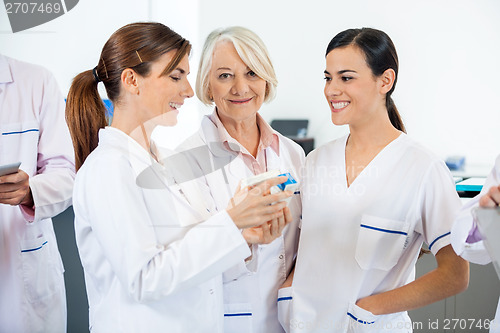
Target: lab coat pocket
(360,320)
(19,137)
(380,242)
(238,317)
(42,276)
(284,307)
(363,321)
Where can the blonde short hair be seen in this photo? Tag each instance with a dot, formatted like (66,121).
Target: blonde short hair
(251,50)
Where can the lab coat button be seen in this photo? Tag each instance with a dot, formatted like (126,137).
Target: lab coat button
(211,291)
(281,256)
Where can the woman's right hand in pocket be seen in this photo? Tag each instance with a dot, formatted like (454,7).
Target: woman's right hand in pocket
(252,207)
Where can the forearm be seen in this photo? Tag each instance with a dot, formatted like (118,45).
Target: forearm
(449,278)
(47,201)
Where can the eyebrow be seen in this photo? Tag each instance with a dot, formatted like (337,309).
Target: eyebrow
(180,70)
(342,71)
(229,69)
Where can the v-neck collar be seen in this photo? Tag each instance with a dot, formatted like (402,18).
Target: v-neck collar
(382,152)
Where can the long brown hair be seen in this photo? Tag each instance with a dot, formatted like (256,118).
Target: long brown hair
(380,54)
(133,46)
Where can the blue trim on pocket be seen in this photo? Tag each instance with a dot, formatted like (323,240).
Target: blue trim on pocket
(359,320)
(384,230)
(21,132)
(287,298)
(434,241)
(244,314)
(38,248)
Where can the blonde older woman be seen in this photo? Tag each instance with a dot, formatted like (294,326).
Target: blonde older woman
(236,76)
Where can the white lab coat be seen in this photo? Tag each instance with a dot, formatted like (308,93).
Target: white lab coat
(364,239)
(475,252)
(251,288)
(151,263)
(33,131)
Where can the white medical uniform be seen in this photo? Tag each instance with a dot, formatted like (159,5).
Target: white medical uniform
(250,288)
(33,131)
(151,263)
(475,252)
(364,239)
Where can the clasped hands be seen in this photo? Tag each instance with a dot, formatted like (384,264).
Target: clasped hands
(262,216)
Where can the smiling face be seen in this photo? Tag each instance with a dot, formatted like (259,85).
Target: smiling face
(353,93)
(162,95)
(236,90)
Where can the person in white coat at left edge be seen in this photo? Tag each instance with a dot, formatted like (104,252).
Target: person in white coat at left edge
(33,132)
(236,75)
(152,263)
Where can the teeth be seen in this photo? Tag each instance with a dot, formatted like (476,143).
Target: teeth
(340,105)
(174,105)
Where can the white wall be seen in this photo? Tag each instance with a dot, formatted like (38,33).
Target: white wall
(72,43)
(449,57)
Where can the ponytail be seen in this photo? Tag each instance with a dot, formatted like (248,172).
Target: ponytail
(394,115)
(85,115)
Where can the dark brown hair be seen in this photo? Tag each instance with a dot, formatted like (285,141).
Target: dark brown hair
(380,54)
(133,46)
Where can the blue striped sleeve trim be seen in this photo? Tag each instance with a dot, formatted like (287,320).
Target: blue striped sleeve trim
(384,230)
(434,241)
(359,320)
(245,314)
(288,298)
(38,248)
(21,132)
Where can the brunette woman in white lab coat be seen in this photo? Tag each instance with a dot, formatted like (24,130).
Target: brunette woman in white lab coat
(466,239)
(152,263)
(236,76)
(369,201)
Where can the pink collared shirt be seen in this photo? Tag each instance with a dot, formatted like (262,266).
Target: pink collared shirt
(268,138)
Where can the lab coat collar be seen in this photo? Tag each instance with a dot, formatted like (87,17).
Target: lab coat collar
(269,137)
(273,159)
(209,134)
(151,174)
(114,136)
(143,164)
(5,71)
(240,170)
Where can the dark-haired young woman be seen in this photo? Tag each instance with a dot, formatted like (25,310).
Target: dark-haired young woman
(370,199)
(152,263)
